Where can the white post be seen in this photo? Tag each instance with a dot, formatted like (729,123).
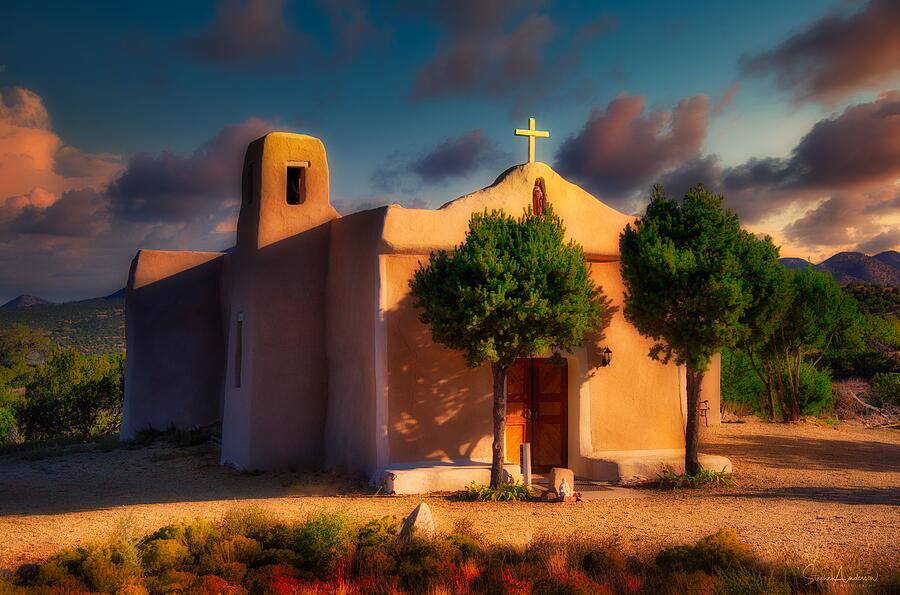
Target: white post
(525,462)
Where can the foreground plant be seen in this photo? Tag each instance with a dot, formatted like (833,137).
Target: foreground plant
(508,492)
(330,553)
(705,478)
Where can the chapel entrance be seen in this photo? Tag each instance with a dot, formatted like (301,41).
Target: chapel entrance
(537,411)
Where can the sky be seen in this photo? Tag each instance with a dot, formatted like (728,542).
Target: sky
(123,125)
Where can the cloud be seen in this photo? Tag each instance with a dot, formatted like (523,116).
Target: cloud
(888,240)
(351,26)
(453,158)
(622,149)
(706,170)
(70,221)
(501,49)
(170,188)
(77,213)
(726,99)
(22,108)
(246,33)
(836,221)
(32,156)
(456,157)
(841,53)
(855,151)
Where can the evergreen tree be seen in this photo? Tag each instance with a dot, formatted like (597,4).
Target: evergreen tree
(514,288)
(686,267)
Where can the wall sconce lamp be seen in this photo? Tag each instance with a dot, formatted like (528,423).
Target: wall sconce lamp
(605,357)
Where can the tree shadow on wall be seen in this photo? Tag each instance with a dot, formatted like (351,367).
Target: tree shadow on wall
(438,407)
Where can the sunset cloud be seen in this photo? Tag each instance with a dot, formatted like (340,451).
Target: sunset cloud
(70,221)
(841,53)
(503,49)
(174,188)
(246,33)
(623,149)
(453,158)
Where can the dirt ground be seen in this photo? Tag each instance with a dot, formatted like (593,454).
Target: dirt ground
(806,494)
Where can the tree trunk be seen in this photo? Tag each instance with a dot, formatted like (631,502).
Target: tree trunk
(499,410)
(795,395)
(692,429)
(771,403)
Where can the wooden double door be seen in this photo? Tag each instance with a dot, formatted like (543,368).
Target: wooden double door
(537,412)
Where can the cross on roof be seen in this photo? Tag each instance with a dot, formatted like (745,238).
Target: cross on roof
(531,133)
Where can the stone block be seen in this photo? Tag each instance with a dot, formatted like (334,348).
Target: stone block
(556,476)
(419,523)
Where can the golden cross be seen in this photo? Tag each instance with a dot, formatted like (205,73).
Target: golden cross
(531,133)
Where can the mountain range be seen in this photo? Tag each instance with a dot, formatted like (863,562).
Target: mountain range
(856,267)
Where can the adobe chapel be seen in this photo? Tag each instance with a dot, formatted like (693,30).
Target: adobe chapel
(303,344)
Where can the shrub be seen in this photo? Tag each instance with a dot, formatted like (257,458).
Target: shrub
(886,389)
(508,492)
(465,546)
(198,536)
(816,396)
(570,584)
(695,583)
(721,550)
(251,521)
(377,533)
(171,581)
(163,554)
(705,478)
(603,563)
(73,395)
(323,542)
(741,387)
(110,567)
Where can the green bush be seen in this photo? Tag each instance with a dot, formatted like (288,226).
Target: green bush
(8,424)
(73,395)
(816,395)
(507,492)
(251,521)
(886,389)
(163,554)
(323,541)
(720,551)
(705,478)
(740,385)
(198,536)
(111,566)
(603,563)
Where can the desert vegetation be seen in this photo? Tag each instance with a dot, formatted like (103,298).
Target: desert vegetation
(248,552)
(48,392)
(828,351)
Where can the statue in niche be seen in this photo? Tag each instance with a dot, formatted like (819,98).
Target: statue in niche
(539,197)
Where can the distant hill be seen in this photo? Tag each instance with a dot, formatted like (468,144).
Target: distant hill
(795,264)
(891,257)
(93,326)
(24,301)
(849,267)
(856,267)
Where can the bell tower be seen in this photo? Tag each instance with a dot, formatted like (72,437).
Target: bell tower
(284,189)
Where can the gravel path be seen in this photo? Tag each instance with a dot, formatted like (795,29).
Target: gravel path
(806,494)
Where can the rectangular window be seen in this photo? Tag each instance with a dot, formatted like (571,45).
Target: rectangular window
(295,192)
(239,350)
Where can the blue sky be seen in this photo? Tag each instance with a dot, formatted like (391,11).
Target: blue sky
(130,80)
